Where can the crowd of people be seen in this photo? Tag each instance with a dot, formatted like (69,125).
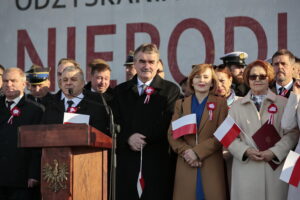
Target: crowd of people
(261,97)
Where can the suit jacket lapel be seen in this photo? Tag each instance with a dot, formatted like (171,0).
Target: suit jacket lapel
(132,85)
(157,83)
(82,105)
(4,112)
(58,103)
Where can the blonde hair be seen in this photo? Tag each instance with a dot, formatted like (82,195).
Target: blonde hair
(19,70)
(200,68)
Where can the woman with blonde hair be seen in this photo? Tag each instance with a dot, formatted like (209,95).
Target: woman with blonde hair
(200,167)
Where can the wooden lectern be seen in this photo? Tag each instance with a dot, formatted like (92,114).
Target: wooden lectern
(74,162)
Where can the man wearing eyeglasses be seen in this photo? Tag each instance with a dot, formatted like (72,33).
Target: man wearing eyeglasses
(143,107)
(235,61)
(283,62)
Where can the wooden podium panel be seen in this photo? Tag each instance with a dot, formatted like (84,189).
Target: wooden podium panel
(72,168)
(62,135)
(86,168)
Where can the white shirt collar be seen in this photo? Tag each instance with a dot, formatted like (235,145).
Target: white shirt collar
(287,86)
(16,100)
(76,100)
(141,83)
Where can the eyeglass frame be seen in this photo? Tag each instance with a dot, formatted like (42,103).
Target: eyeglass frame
(254,77)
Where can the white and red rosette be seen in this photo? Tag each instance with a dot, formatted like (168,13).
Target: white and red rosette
(211,106)
(72,109)
(272,109)
(148,91)
(15,112)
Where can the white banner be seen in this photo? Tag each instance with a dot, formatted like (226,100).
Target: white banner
(186,31)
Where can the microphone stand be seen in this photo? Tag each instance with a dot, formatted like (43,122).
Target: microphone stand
(114,129)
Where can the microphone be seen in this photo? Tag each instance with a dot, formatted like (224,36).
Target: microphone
(70,91)
(113,127)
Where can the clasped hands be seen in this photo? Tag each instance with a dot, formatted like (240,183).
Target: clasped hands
(257,155)
(191,158)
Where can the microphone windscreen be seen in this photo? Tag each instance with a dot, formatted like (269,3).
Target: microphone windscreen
(70,90)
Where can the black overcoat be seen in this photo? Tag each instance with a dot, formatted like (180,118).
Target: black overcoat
(17,165)
(152,120)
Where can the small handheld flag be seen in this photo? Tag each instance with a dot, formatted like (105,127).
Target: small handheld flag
(227,131)
(291,169)
(141,181)
(184,126)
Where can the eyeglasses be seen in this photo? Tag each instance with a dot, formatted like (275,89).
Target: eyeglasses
(260,77)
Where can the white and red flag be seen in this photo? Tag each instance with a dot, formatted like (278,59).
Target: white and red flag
(227,131)
(291,169)
(184,126)
(141,181)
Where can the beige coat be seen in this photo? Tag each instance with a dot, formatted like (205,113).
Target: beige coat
(251,179)
(291,119)
(209,150)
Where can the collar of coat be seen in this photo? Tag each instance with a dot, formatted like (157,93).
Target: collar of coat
(187,108)
(157,83)
(271,96)
(20,103)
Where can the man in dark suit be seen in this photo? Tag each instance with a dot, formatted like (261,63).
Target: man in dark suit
(73,96)
(19,168)
(283,62)
(143,107)
(100,79)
